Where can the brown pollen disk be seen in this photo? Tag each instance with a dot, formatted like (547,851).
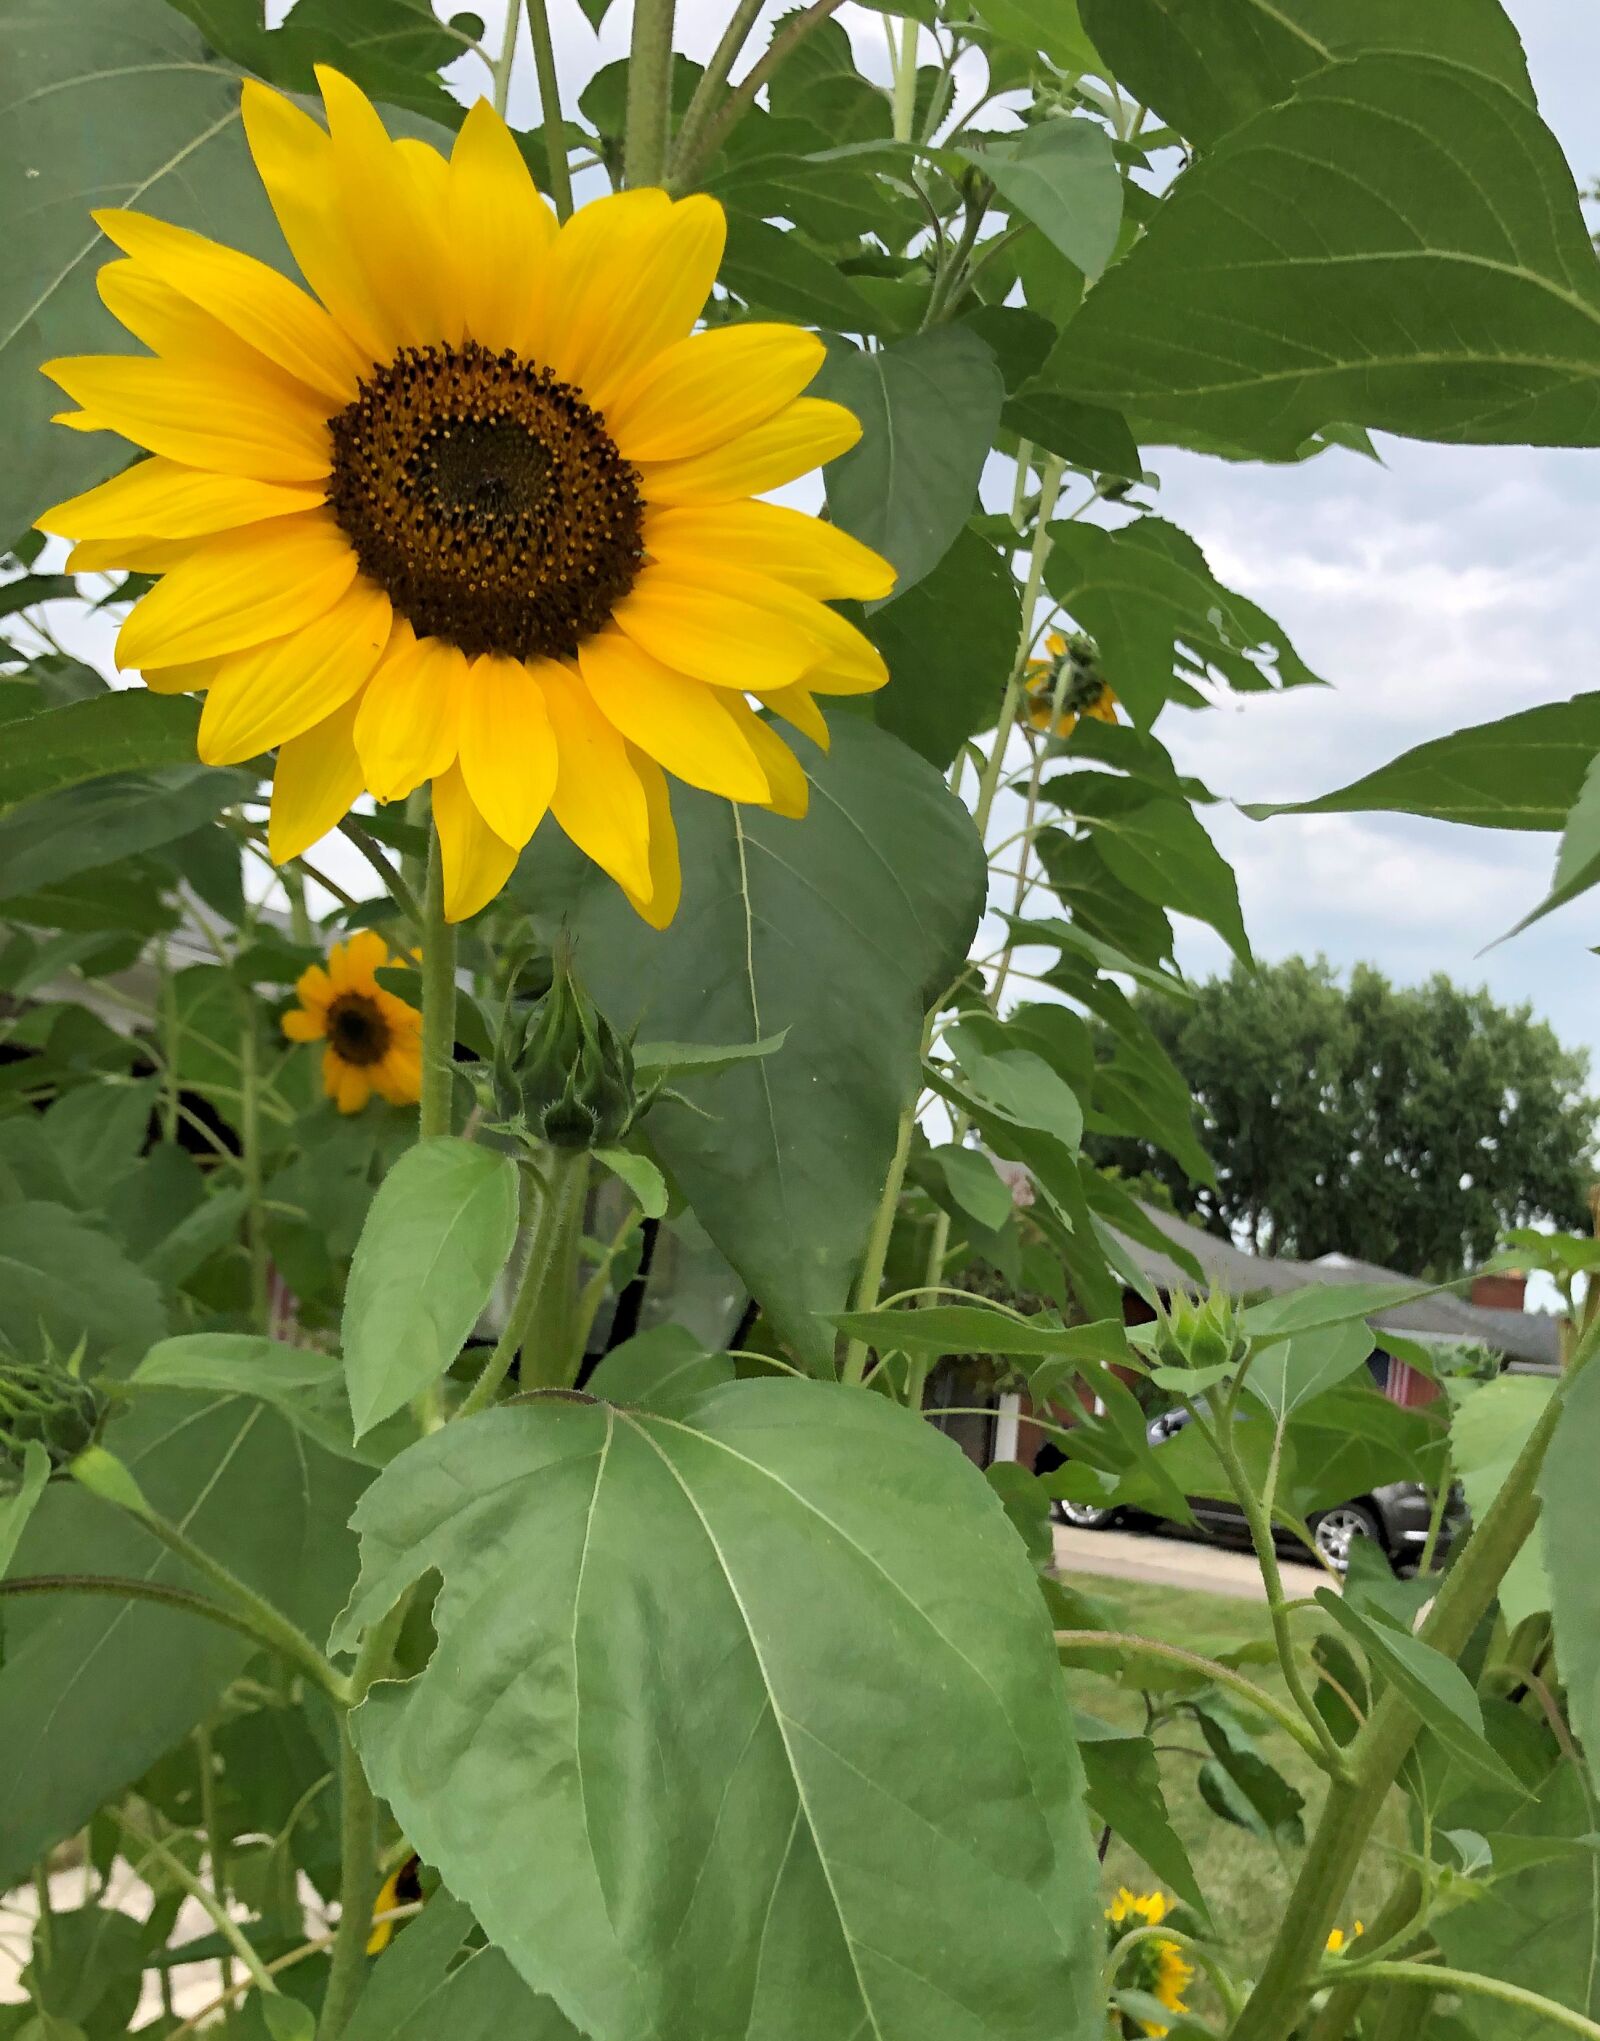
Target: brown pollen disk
(357,1031)
(487,500)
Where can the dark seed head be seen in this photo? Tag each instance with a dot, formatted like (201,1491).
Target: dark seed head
(357,1030)
(487,500)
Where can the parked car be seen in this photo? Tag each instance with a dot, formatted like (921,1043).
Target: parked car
(1395,1516)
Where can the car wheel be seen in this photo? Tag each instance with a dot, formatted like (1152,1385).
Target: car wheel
(1085,1516)
(1336,1530)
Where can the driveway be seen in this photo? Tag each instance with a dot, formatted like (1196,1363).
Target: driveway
(1174,1562)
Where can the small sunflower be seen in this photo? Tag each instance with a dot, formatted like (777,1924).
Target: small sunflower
(374,1039)
(1338,1941)
(1156,1966)
(1085,693)
(402,1887)
(482,512)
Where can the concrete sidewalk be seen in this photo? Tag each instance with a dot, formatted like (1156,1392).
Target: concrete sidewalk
(1174,1562)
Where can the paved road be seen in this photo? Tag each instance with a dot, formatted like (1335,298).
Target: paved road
(1174,1562)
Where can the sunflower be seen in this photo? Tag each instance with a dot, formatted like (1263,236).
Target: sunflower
(482,512)
(402,1887)
(1338,1941)
(1085,693)
(374,1039)
(1156,1966)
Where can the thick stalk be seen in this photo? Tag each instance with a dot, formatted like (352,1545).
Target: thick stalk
(870,1281)
(551,118)
(716,130)
(568,1177)
(649,121)
(255,1217)
(905,78)
(358,1890)
(989,785)
(438,1001)
(1381,1745)
(1337,2017)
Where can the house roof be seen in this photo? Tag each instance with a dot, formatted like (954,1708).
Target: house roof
(1531,1337)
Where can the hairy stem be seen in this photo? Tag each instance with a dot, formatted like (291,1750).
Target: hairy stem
(716,130)
(203,1896)
(394,881)
(551,118)
(567,1181)
(1337,2017)
(255,1218)
(1120,1644)
(505,62)
(438,1001)
(649,123)
(358,1890)
(989,785)
(216,1846)
(714,79)
(870,1281)
(1436,1977)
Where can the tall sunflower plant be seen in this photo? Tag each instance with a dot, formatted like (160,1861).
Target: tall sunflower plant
(592,706)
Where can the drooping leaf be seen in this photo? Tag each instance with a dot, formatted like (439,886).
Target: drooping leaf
(1158,847)
(1087,435)
(779,1551)
(93,1689)
(85,1972)
(301,1384)
(1123,1780)
(884,879)
(1569,1538)
(1241,1785)
(106,821)
(776,270)
(929,409)
(123,730)
(437,1235)
(1445,290)
(974,1184)
(949,642)
(19,1503)
(1523,771)
(1578,859)
(1062,177)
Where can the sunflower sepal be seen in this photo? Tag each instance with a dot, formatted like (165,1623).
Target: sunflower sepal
(1200,1336)
(46,1403)
(563,1074)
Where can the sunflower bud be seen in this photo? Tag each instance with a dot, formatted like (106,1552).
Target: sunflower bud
(41,1403)
(562,1071)
(1202,1332)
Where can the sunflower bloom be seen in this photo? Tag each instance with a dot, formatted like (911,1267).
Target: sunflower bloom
(374,1040)
(480,512)
(1156,1966)
(402,1887)
(1338,1941)
(1085,694)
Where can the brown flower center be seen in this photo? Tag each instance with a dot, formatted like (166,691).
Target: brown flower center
(487,500)
(357,1030)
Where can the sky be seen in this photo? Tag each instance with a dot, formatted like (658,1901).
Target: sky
(1443,587)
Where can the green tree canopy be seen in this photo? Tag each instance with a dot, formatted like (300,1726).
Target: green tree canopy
(1406,1125)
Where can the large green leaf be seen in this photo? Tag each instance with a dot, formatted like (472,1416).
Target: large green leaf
(1207,65)
(661,1750)
(419,1991)
(1122,1776)
(1523,771)
(122,730)
(1293,1370)
(63,1283)
(1158,848)
(1488,1429)
(1578,858)
(1049,25)
(1571,1540)
(93,1689)
(106,821)
(949,643)
(1062,177)
(1398,246)
(1159,617)
(437,1235)
(780,272)
(784,1159)
(929,409)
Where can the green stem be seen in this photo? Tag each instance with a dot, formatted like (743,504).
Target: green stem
(135,1591)
(1227,1986)
(216,1847)
(1381,1745)
(1436,1977)
(201,1894)
(905,78)
(394,883)
(870,1281)
(649,122)
(168,1011)
(716,130)
(46,1928)
(505,62)
(1337,2016)
(358,1890)
(1119,1643)
(568,1179)
(551,118)
(255,1218)
(438,1001)
(989,785)
(715,76)
(1441,1496)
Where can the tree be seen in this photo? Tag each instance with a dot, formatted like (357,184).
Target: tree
(1407,1125)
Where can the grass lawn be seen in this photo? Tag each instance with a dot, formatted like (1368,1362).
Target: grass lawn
(1245,1879)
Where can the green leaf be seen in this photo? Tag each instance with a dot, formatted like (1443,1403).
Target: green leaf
(109,820)
(1159,849)
(1524,771)
(974,1184)
(1061,176)
(1447,291)
(884,878)
(1488,1429)
(301,1384)
(437,1235)
(286,2018)
(1578,859)
(418,1991)
(17,1506)
(949,642)
(641,1176)
(664,1370)
(1159,617)
(598,1562)
(1327,1304)
(86,1971)
(929,410)
(1435,1686)
(977,1329)
(1293,1370)
(1052,26)
(1019,1086)
(123,730)
(93,1690)
(1256,51)
(1238,1783)
(1087,435)
(1570,1534)
(1123,1779)
(704,1056)
(776,270)
(62,1283)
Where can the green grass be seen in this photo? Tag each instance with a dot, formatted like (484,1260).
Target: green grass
(1245,1879)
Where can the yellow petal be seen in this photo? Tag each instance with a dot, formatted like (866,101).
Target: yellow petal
(797,706)
(410,714)
(349,1085)
(786,776)
(254,302)
(392,222)
(715,636)
(318,779)
(802,436)
(681,723)
(135,556)
(844,661)
(630,275)
(204,414)
(599,798)
(666,874)
(501,231)
(710,388)
(269,695)
(806,552)
(160,498)
(240,589)
(295,159)
(301,1026)
(477,863)
(508,751)
(352,963)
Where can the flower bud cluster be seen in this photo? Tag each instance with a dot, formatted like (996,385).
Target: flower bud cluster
(562,1072)
(42,1403)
